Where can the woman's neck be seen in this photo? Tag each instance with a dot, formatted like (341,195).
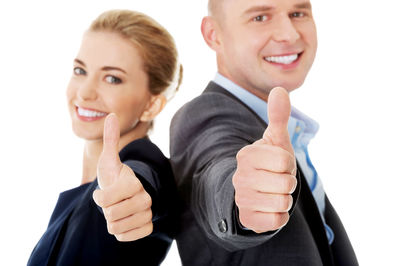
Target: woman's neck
(91,154)
(93,149)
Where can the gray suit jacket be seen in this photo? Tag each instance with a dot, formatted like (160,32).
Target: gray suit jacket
(206,134)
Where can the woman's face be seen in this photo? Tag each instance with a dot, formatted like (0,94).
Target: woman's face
(108,77)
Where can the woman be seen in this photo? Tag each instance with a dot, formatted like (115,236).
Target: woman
(126,65)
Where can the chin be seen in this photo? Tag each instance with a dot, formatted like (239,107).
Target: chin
(87,134)
(290,84)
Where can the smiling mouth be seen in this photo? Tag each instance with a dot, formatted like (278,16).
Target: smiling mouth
(285,59)
(82,112)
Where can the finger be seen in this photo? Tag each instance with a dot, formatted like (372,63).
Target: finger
(123,188)
(109,164)
(266,157)
(261,222)
(263,202)
(136,234)
(265,181)
(130,223)
(278,115)
(137,203)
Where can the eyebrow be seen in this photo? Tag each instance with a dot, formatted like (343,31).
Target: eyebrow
(108,68)
(79,62)
(257,9)
(305,5)
(104,68)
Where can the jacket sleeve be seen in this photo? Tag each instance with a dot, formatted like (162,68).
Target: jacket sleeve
(153,170)
(150,181)
(206,135)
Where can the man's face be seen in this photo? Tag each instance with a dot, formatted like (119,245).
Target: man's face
(266,43)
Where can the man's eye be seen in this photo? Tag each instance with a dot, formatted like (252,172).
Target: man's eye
(113,80)
(260,18)
(79,71)
(298,15)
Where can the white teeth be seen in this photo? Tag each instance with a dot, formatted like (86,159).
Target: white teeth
(90,113)
(287,59)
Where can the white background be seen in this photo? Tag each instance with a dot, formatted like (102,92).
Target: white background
(352,90)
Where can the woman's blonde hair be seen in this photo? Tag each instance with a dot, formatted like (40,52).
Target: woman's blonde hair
(155,44)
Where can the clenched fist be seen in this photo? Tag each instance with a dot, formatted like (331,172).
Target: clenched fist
(265,176)
(125,203)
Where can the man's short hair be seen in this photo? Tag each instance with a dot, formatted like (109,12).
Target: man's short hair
(215,7)
(212,6)
(215,10)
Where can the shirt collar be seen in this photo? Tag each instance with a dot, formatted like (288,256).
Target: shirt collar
(258,105)
(298,122)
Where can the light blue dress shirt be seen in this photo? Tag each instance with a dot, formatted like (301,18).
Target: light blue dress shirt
(301,130)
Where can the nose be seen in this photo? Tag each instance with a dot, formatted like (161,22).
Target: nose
(285,31)
(88,89)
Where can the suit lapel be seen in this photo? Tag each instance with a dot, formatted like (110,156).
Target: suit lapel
(309,208)
(214,87)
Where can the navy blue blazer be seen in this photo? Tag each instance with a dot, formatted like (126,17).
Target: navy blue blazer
(77,232)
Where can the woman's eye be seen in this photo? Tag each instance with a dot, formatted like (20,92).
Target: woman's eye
(113,80)
(260,18)
(79,71)
(297,15)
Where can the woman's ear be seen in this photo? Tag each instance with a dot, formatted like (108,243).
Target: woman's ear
(154,107)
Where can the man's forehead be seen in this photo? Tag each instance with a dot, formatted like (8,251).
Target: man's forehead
(218,5)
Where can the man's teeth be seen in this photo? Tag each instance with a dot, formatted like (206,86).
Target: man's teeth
(90,113)
(287,59)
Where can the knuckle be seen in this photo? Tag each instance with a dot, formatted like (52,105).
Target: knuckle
(241,199)
(287,184)
(99,198)
(147,200)
(111,228)
(285,202)
(149,228)
(290,202)
(144,231)
(240,154)
(243,155)
(293,184)
(283,162)
(108,213)
(292,164)
(121,237)
(237,180)
(292,161)
(278,220)
(148,215)
(273,221)
(238,200)
(246,219)
(264,222)
(133,182)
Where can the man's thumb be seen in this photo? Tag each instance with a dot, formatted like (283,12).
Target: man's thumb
(278,115)
(109,164)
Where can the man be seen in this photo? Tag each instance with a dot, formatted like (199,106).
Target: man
(247,201)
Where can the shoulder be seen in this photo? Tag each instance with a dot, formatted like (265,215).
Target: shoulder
(210,103)
(215,112)
(68,200)
(146,151)
(207,108)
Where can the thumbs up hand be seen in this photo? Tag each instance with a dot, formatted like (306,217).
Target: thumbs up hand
(265,176)
(125,203)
